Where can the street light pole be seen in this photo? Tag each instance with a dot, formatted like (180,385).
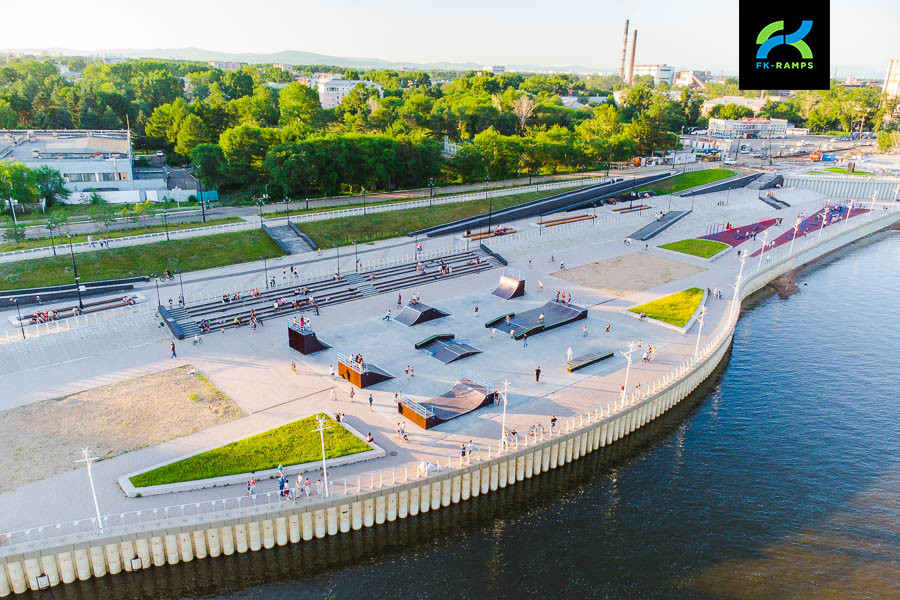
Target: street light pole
(762,251)
(627,355)
(364,200)
(356,255)
(337,249)
(487,194)
(699,329)
(794,237)
(430,190)
(156,281)
(75,269)
(265,270)
(181,284)
(87,460)
(504,395)
(200,198)
(320,427)
(19,312)
(165,216)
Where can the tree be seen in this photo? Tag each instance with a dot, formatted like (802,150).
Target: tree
(245,147)
(55,222)
(469,163)
(300,107)
(16,234)
(50,184)
(8,117)
(523,107)
(190,134)
(103,215)
(209,164)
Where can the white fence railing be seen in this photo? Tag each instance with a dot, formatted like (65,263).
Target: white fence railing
(192,513)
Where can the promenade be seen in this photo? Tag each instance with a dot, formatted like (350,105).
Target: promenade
(251,367)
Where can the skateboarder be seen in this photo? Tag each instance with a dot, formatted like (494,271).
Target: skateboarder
(537,374)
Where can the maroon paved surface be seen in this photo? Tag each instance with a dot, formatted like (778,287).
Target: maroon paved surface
(740,234)
(812,224)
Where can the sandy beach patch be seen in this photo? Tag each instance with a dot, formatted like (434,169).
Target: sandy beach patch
(44,438)
(628,274)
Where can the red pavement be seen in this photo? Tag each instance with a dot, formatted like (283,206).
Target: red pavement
(738,235)
(812,224)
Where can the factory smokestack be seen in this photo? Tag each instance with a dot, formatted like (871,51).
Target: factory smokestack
(631,60)
(624,50)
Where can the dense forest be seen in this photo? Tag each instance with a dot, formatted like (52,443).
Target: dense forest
(241,132)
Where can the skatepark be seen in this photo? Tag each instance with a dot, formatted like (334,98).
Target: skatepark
(580,369)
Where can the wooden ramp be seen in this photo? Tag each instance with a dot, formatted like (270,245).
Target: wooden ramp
(580,362)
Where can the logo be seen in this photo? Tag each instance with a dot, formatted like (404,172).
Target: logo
(790,53)
(767,41)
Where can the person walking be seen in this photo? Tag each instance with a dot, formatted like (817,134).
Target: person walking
(537,374)
(331,371)
(569,354)
(352,393)
(493,332)
(584,331)
(332,395)
(371,403)
(319,487)
(524,340)
(172,346)
(606,329)
(540,285)
(476,311)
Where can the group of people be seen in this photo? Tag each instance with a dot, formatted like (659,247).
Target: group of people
(232,298)
(401,432)
(715,293)
(45,316)
(104,242)
(562,298)
(466,449)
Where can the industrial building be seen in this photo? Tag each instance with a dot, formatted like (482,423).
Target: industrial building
(98,160)
(660,73)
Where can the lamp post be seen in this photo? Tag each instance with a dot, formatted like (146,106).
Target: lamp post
(627,354)
(75,269)
(847,218)
(265,270)
(165,216)
(487,194)
(794,237)
(287,217)
(320,427)
(156,281)
(338,258)
(181,284)
(364,200)
(200,198)
(87,460)
(822,226)
(19,312)
(765,239)
(699,329)
(12,208)
(356,255)
(504,395)
(430,190)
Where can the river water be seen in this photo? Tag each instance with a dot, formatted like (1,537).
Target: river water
(779,478)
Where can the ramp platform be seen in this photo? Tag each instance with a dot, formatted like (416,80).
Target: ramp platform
(580,362)
(304,340)
(511,285)
(445,348)
(361,375)
(413,314)
(656,227)
(465,396)
(530,322)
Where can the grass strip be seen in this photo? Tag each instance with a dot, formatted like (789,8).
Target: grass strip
(191,254)
(694,247)
(291,444)
(675,309)
(685,181)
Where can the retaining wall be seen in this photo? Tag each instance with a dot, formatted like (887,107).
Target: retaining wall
(170,541)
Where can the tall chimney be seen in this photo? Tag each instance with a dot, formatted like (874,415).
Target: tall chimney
(624,50)
(631,60)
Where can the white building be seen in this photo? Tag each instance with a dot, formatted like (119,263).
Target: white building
(495,69)
(87,159)
(660,73)
(748,128)
(891,85)
(695,80)
(225,65)
(331,92)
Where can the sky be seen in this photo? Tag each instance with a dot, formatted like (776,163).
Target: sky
(698,34)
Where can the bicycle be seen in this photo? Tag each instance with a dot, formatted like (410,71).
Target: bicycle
(165,277)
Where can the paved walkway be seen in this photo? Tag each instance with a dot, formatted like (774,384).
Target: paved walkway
(252,368)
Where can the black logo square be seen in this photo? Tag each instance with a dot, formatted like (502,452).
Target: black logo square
(784,46)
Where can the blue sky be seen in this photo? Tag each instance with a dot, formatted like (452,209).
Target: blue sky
(686,33)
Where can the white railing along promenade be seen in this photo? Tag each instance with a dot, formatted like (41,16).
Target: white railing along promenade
(193,513)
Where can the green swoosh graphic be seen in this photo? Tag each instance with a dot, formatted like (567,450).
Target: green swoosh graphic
(768,30)
(804,49)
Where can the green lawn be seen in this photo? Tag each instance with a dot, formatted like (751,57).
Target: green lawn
(192,254)
(843,171)
(291,444)
(82,210)
(701,248)
(688,180)
(676,309)
(117,233)
(380,226)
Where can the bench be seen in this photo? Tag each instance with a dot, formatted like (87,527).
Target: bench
(579,362)
(556,222)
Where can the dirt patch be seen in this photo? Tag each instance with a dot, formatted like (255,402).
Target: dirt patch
(630,273)
(44,438)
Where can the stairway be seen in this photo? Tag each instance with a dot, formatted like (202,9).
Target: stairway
(288,238)
(358,282)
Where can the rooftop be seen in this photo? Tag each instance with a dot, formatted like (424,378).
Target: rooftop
(18,144)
